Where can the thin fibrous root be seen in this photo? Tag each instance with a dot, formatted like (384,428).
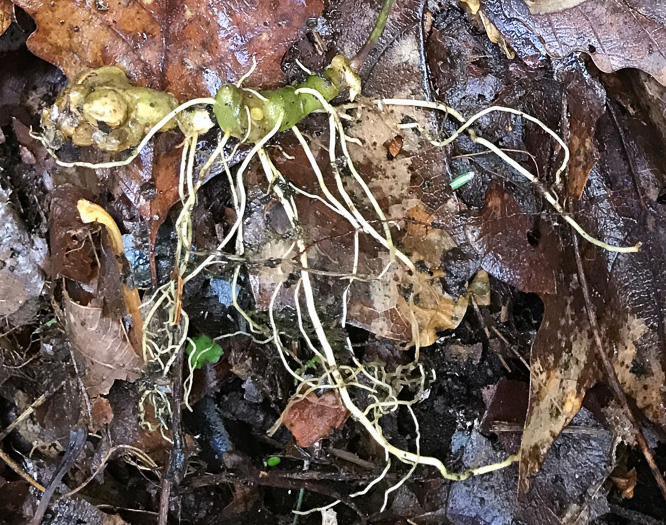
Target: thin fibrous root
(334,371)
(552,200)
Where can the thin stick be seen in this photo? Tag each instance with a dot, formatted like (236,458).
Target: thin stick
(28,411)
(17,468)
(137,452)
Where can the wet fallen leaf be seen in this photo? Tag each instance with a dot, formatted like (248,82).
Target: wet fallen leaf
(72,249)
(21,258)
(541,7)
(188,50)
(628,295)
(76,510)
(506,252)
(565,489)
(617,35)
(104,346)
(585,101)
(393,146)
(402,298)
(313,417)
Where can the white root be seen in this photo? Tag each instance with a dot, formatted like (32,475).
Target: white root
(552,200)
(383,387)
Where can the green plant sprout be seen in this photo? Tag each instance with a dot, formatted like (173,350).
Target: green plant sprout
(255,117)
(461,180)
(202,349)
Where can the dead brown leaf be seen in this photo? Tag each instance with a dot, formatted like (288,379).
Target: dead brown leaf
(312,418)
(626,482)
(104,346)
(541,7)
(506,251)
(71,243)
(628,296)
(188,50)
(617,35)
(6,12)
(585,101)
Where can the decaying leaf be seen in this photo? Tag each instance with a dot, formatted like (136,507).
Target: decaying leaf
(72,248)
(505,249)
(395,303)
(626,482)
(312,418)
(618,34)
(542,7)
(104,346)
(629,299)
(6,11)
(188,50)
(585,101)
(21,257)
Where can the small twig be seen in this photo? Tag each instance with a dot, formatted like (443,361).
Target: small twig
(77,440)
(176,469)
(17,468)
(28,411)
(611,377)
(145,458)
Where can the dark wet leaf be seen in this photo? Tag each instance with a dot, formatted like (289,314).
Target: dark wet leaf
(584,99)
(505,248)
(617,35)
(72,248)
(627,291)
(566,489)
(21,259)
(188,50)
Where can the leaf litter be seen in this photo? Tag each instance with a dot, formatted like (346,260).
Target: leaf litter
(498,227)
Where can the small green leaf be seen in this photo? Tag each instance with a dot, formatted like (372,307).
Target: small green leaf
(204,350)
(273,461)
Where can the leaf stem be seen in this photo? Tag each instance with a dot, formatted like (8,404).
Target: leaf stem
(374,37)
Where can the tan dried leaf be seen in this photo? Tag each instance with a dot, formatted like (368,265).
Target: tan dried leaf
(541,7)
(104,346)
(6,10)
